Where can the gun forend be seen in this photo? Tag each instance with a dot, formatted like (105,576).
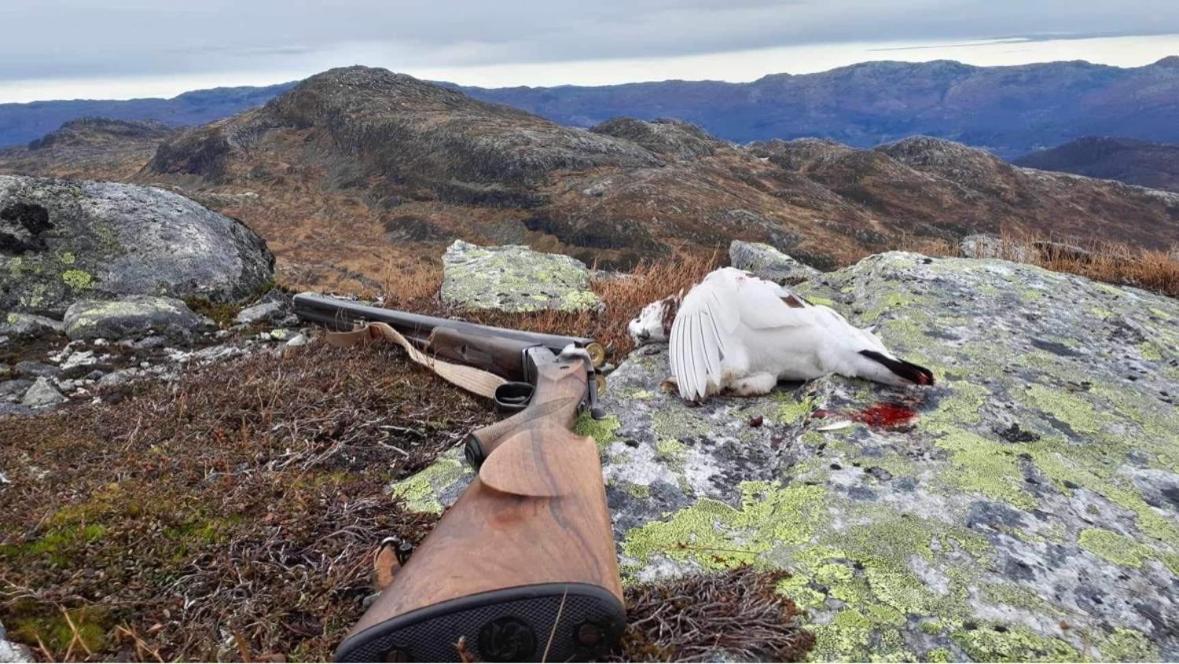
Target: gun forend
(523,566)
(342,314)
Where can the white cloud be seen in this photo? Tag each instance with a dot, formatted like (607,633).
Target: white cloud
(158,47)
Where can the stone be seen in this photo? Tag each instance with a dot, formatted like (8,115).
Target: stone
(271,310)
(13,390)
(117,378)
(32,369)
(10,652)
(298,340)
(65,240)
(18,325)
(766,262)
(80,359)
(281,334)
(514,278)
(1036,486)
(136,316)
(985,245)
(42,394)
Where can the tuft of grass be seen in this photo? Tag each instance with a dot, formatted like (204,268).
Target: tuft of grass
(221,313)
(1111,262)
(738,613)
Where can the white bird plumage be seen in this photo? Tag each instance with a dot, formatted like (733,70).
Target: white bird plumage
(737,332)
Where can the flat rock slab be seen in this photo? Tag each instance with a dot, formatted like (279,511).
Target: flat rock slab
(64,240)
(1028,510)
(514,278)
(766,262)
(132,317)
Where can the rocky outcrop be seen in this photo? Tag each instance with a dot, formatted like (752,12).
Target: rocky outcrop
(1024,508)
(61,241)
(665,137)
(513,278)
(766,262)
(132,317)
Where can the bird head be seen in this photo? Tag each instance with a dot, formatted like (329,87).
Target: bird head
(653,324)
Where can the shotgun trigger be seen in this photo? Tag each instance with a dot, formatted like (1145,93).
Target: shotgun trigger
(591,398)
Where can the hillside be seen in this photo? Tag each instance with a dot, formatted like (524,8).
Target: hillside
(1135,162)
(357,172)
(1008,110)
(94,148)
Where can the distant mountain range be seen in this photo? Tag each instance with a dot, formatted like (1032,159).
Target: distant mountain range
(1010,111)
(1136,162)
(356,169)
(22,123)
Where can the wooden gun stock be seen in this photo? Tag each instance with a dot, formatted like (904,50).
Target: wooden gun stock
(523,566)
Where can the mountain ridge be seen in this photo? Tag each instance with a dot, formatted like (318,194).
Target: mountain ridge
(1009,110)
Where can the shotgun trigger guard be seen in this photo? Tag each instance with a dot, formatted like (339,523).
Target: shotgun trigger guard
(513,396)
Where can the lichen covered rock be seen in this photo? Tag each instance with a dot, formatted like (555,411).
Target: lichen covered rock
(1027,510)
(63,240)
(766,262)
(514,278)
(133,317)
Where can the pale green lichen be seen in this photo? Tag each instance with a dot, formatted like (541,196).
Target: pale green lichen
(1078,413)
(77,279)
(420,491)
(579,300)
(602,431)
(1128,645)
(1117,549)
(1013,644)
(792,412)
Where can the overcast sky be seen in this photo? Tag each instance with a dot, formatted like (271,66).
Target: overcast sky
(127,48)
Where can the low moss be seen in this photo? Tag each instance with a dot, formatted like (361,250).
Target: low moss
(602,431)
(221,313)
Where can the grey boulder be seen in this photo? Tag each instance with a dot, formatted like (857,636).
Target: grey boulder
(1024,508)
(42,394)
(17,325)
(766,262)
(64,240)
(133,317)
(514,278)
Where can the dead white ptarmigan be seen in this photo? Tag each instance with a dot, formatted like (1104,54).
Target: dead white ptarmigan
(737,332)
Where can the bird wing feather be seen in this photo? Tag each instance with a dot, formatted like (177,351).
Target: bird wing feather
(707,317)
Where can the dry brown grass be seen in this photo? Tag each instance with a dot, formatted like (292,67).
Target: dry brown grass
(697,618)
(1101,260)
(231,515)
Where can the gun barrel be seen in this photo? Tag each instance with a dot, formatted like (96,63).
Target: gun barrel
(343,314)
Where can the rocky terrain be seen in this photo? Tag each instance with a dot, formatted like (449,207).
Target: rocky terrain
(1146,164)
(1024,509)
(358,169)
(159,402)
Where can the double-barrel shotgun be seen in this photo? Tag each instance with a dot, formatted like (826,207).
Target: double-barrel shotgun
(523,566)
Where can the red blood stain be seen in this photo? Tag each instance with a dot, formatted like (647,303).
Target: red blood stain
(886,416)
